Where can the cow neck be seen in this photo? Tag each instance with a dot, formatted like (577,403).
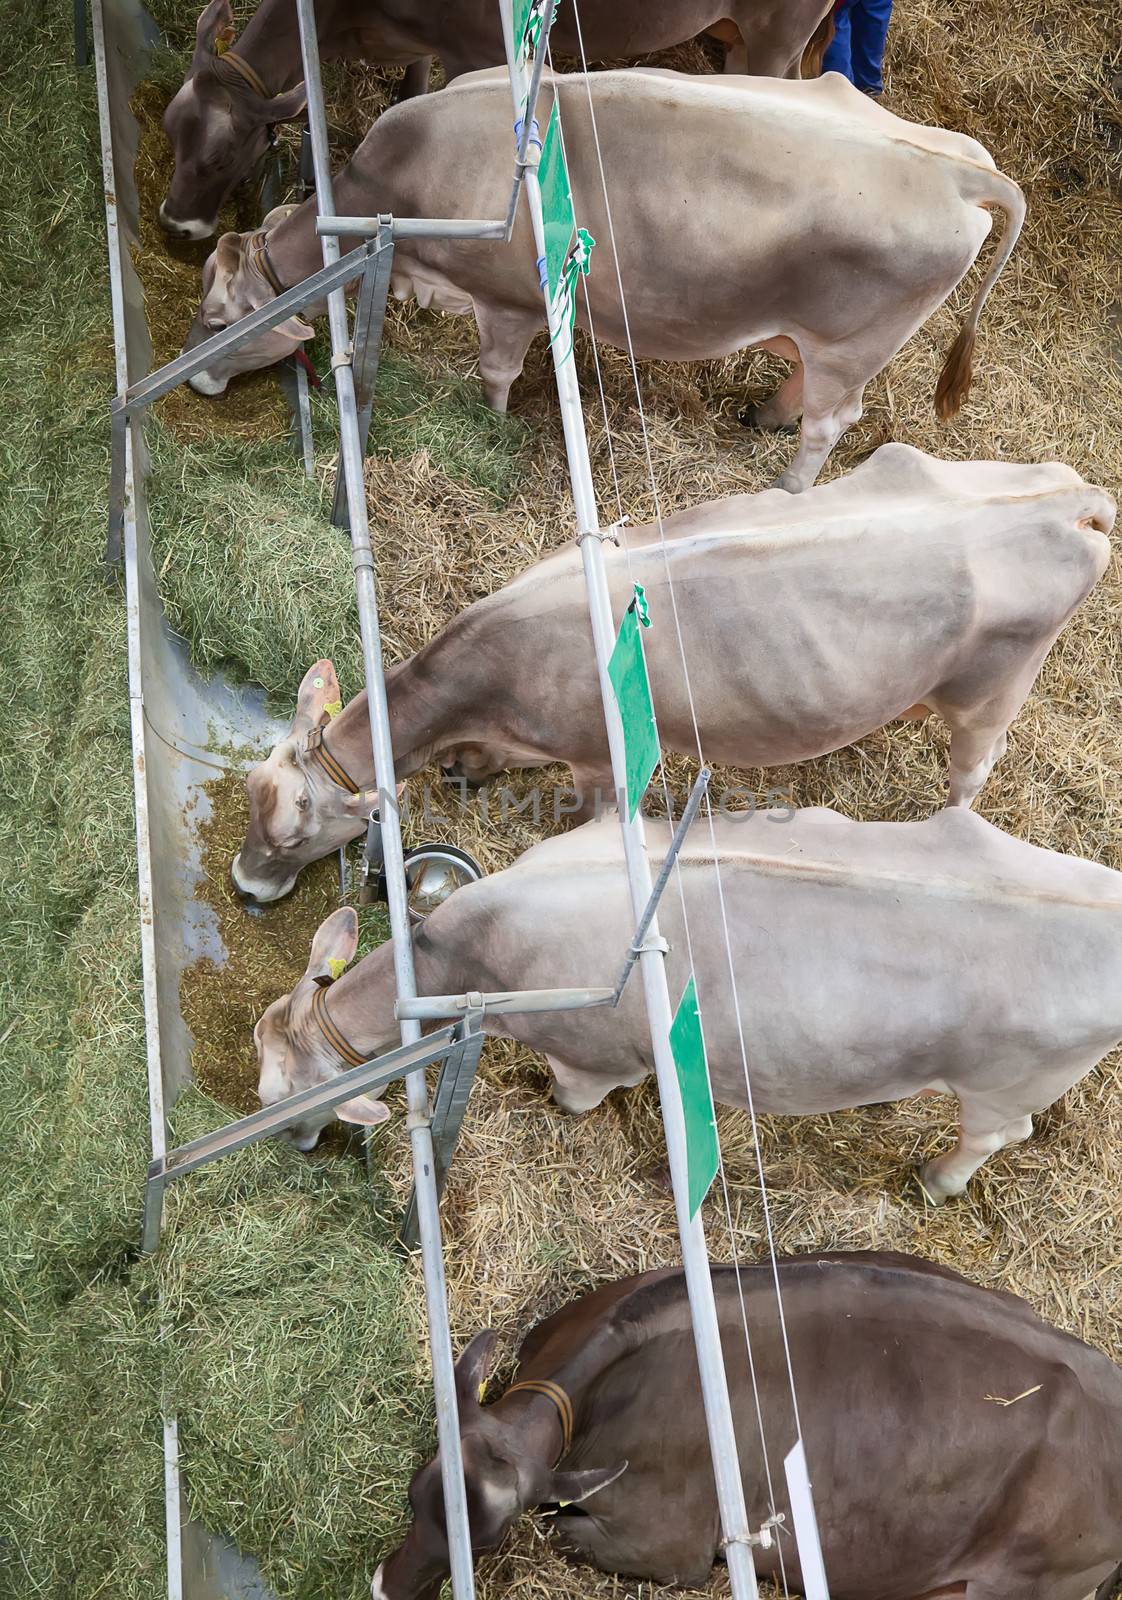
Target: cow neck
(558,1399)
(329,764)
(230,60)
(337,1040)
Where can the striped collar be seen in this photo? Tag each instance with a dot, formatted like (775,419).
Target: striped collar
(318,752)
(230,58)
(336,1039)
(561,1403)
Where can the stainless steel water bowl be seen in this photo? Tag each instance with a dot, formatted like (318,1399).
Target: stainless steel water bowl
(433,872)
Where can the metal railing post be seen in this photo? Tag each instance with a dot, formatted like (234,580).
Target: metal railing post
(652,960)
(416,1087)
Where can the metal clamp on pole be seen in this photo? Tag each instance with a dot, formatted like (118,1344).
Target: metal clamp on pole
(435,1007)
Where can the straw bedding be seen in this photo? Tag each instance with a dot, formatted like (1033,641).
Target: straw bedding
(540,1206)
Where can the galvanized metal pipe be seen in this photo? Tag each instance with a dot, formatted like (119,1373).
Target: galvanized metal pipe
(652,961)
(410,227)
(434,1007)
(420,1132)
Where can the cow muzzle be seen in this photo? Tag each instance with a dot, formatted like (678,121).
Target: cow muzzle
(255,899)
(189,228)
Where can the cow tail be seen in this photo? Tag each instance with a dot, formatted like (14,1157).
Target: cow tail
(993,189)
(817,45)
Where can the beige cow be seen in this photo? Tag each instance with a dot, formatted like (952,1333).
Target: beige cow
(809,622)
(797,216)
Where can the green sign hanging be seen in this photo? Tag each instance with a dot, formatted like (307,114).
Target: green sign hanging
(557,203)
(628,672)
(688,1049)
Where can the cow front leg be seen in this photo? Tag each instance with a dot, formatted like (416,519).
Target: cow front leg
(973,757)
(982,1132)
(504,338)
(830,406)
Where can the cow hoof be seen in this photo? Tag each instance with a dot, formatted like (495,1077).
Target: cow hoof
(929,1183)
(789,481)
(754,417)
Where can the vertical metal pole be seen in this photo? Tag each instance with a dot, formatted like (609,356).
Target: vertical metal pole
(370,321)
(652,962)
(416,1088)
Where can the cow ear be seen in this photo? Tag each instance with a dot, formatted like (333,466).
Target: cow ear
(228,253)
(295,328)
(568,1488)
(215,25)
(282,107)
(334,946)
(363,1111)
(473,1366)
(317,699)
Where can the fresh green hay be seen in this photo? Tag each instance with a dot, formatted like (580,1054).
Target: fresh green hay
(266,1255)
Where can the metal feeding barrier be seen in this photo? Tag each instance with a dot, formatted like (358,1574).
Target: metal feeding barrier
(434,1125)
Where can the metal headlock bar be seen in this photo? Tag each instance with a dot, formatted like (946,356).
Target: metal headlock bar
(652,956)
(426,1205)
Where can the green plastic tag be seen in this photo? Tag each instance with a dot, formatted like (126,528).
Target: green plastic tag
(688,1049)
(628,672)
(557,203)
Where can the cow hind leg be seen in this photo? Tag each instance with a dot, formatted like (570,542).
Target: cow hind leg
(504,338)
(577,1091)
(831,404)
(983,1131)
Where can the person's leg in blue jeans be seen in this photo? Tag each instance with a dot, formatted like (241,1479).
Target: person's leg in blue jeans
(868,34)
(837,57)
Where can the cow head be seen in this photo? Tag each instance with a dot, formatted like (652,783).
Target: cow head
(505,1474)
(233,286)
(218,127)
(296,813)
(292,1049)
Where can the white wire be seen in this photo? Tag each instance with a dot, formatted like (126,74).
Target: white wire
(693,717)
(773,1507)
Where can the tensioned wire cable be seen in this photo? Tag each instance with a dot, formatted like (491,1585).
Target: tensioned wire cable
(665,786)
(693,712)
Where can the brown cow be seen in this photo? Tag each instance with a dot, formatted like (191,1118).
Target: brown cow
(928,1482)
(218,122)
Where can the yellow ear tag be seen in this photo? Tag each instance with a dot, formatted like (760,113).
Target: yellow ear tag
(482,1390)
(336,966)
(333,707)
(561,1503)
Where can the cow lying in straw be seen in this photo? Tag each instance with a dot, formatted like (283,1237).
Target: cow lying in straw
(872,961)
(911,584)
(958,1445)
(220,120)
(799,217)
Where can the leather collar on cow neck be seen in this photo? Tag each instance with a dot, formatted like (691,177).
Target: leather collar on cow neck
(258,246)
(561,1402)
(230,58)
(336,1039)
(335,770)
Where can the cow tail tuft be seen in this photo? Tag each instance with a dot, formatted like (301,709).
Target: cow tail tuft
(817,45)
(955,378)
(991,189)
